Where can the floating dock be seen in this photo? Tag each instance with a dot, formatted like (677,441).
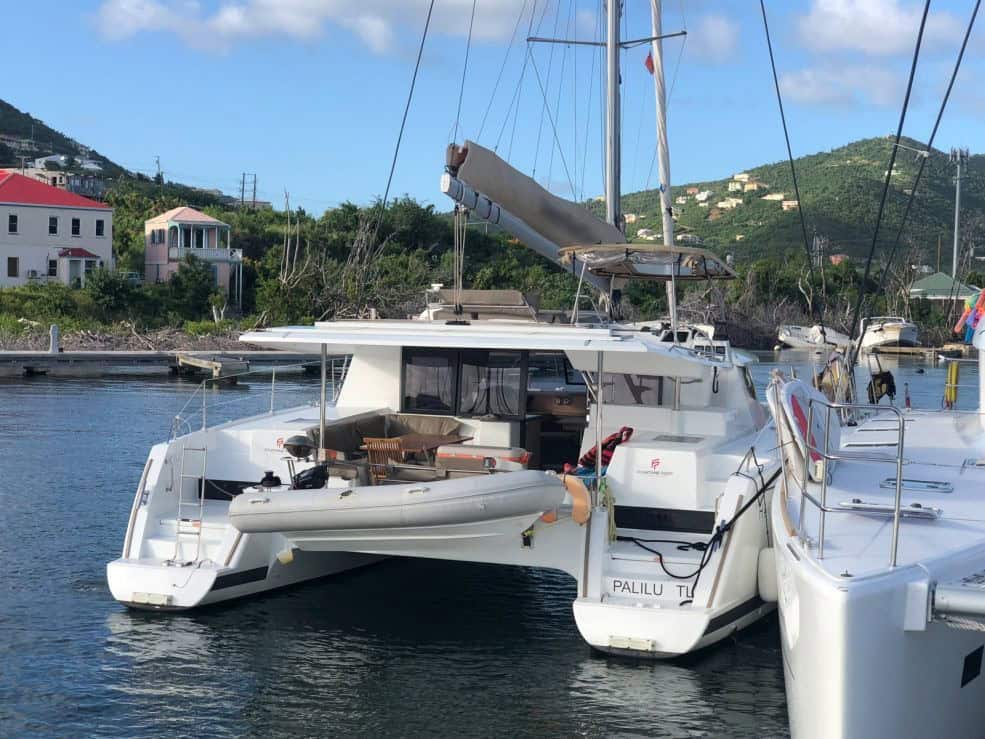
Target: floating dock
(98,363)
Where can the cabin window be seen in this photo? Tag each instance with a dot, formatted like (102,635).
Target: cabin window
(429,380)
(642,390)
(552,371)
(476,382)
(491,383)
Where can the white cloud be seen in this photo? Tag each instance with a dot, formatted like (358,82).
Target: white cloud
(843,85)
(875,27)
(713,38)
(375,22)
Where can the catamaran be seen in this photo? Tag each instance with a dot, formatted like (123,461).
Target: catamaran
(649,486)
(879,547)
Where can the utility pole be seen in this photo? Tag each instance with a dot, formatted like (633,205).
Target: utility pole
(242,189)
(958,157)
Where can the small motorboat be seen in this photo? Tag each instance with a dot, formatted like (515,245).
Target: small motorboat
(812,337)
(888,331)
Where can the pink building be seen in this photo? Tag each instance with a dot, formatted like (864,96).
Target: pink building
(171,236)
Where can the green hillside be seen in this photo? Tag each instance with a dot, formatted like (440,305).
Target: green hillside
(840,190)
(43,141)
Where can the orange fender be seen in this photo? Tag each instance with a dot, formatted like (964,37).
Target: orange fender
(581,499)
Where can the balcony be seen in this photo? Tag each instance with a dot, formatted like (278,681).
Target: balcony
(178,253)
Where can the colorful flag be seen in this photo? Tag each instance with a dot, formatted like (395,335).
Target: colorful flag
(648,62)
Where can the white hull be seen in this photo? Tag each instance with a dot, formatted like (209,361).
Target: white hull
(218,565)
(890,333)
(853,670)
(803,337)
(871,649)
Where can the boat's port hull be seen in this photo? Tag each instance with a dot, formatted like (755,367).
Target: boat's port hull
(158,585)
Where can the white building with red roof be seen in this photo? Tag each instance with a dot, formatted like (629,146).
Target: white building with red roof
(48,234)
(170,237)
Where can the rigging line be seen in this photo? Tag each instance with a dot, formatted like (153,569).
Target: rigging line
(550,68)
(793,169)
(523,72)
(670,97)
(588,114)
(930,146)
(465,67)
(856,313)
(502,68)
(560,88)
(557,143)
(403,122)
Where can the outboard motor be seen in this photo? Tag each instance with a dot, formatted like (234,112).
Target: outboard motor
(312,478)
(270,480)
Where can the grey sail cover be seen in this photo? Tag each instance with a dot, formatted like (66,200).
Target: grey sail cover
(556,219)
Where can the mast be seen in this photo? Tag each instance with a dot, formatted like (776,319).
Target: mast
(663,150)
(613,211)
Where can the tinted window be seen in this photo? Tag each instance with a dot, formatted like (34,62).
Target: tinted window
(429,380)
(491,384)
(644,390)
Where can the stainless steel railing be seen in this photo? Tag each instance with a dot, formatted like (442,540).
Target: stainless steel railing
(198,403)
(827,455)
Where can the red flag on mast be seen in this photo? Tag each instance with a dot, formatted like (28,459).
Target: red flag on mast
(648,62)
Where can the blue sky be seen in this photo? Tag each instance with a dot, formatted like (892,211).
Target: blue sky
(309,93)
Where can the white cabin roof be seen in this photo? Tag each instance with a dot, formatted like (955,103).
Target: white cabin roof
(623,351)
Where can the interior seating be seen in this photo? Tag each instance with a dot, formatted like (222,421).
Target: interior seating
(346,437)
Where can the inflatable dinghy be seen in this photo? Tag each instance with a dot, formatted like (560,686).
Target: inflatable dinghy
(451,502)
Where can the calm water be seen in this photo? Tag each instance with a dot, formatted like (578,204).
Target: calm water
(408,647)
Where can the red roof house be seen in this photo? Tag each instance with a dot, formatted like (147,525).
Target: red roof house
(49,234)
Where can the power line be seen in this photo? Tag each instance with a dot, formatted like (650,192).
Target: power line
(856,313)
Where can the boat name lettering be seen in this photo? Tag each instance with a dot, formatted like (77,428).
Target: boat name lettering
(637,587)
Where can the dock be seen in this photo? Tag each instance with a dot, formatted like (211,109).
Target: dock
(99,363)
(220,367)
(928,352)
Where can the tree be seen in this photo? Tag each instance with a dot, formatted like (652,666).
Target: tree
(190,288)
(110,292)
